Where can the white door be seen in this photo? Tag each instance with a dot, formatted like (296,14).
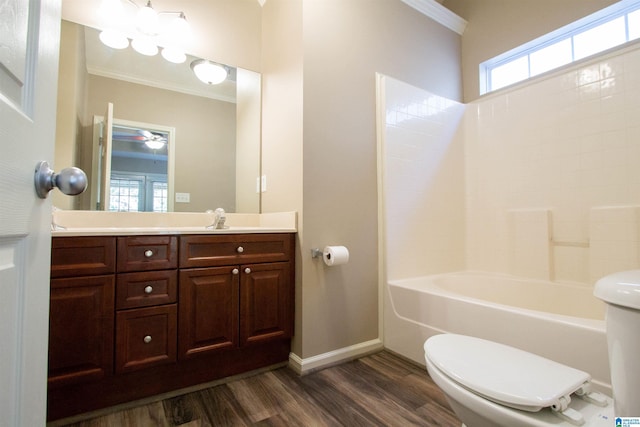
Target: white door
(29,40)
(106,148)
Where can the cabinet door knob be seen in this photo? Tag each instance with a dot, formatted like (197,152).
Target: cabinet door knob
(235,271)
(148,289)
(247,270)
(148,253)
(240,249)
(147,339)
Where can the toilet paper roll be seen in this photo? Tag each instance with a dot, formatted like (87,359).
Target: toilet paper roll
(335,255)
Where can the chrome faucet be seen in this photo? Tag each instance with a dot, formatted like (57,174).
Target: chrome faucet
(218,220)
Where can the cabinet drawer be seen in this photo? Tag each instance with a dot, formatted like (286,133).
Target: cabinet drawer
(147,288)
(144,253)
(145,337)
(82,256)
(210,251)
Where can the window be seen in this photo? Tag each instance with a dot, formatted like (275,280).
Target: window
(610,27)
(138,193)
(125,194)
(159,194)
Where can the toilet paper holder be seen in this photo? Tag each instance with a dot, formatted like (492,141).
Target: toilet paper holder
(332,255)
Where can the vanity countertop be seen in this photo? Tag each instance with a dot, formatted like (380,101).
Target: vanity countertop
(99,223)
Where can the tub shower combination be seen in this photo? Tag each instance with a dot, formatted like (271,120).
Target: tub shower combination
(562,322)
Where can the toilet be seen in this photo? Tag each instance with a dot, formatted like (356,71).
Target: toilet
(489,384)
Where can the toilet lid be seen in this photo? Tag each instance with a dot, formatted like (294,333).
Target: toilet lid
(503,374)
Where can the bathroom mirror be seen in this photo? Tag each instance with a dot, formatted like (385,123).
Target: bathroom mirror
(215,128)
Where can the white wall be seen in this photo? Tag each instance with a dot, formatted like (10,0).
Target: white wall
(568,144)
(422,181)
(421,197)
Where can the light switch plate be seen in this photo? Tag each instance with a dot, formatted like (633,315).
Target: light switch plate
(183,197)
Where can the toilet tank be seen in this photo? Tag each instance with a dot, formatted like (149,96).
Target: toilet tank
(621,292)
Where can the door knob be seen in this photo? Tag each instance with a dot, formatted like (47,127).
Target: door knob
(71,181)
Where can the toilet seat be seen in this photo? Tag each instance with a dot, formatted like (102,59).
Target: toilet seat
(506,375)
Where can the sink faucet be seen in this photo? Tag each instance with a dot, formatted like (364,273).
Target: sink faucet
(219,219)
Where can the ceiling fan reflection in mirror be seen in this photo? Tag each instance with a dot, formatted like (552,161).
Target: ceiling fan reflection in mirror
(154,140)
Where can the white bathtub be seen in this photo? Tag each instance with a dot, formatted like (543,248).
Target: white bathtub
(559,321)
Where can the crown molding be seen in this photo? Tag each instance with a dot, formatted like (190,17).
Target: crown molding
(157,84)
(439,13)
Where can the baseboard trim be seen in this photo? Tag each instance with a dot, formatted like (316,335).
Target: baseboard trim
(321,361)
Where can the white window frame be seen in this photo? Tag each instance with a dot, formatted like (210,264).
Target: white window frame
(622,8)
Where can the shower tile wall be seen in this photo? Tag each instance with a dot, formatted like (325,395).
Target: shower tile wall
(568,143)
(423,181)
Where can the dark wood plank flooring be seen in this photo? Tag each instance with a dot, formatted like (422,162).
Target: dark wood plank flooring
(377,390)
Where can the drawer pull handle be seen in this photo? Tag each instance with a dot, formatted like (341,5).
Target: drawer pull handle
(247,270)
(148,289)
(235,271)
(147,339)
(148,253)
(240,249)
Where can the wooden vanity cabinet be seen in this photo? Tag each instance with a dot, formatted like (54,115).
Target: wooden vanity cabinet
(137,316)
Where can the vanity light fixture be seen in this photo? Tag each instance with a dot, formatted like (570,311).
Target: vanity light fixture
(209,72)
(114,39)
(147,32)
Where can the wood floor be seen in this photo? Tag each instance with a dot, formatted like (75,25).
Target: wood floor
(377,390)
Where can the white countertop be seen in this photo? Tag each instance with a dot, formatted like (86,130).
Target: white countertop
(100,223)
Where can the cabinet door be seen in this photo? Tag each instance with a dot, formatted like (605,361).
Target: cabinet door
(81,329)
(208,313)
(266,302)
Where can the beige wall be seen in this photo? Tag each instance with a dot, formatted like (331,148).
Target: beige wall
(248,129)
(205,136)
(497,26)
(320,98)
(70,105)
(282,145)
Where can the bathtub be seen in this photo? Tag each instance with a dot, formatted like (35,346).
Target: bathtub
(562,322)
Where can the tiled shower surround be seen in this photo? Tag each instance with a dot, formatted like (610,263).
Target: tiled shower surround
(541,180)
